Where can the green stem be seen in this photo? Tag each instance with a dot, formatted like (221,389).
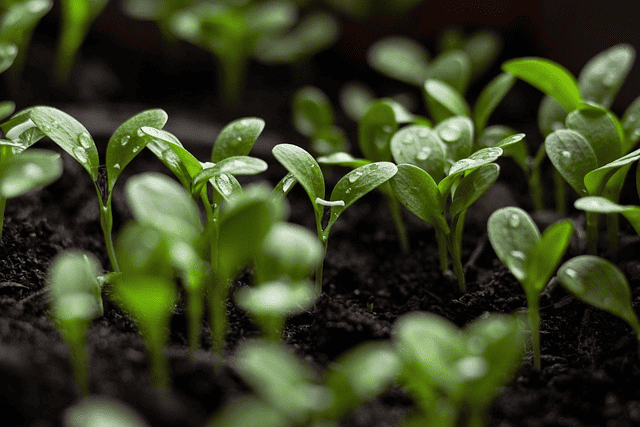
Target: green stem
(156,339)
(443,252)
(592,232)
(325,243)
(233,63)
(195,311)
(533,312)
(613,228)
(106,223)
(560,193)
(3,205)
(218,321)
(455,248)
(75,334)
(396,215)
(535,189)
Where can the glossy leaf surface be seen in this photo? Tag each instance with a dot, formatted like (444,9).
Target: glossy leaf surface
(572,156)
(600,128)
(419,146)
(543,260)
(312,110)
(606,206)
(375,131)
(444,101)
(602,77)
(489,99)
(400,58)
(596,180)
(457,135)
(29,170)
(237,138)
(472,187)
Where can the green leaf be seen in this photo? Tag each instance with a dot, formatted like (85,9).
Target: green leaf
(400,58)
(602,77)
(472,187)
(168,149)
(572,156)
(452,68)
(596,180)
(21,17)
(375,131)
(549,77)
(551,116)
(126,142)
(602,205)
(101,410)
(28,171)
(457,135)
(276,298)
(160,202)
(69,134)
(492,94)
(6,109)
(513,236)
(631,125)
(235,165)
(601,284)
(543,260)
(477,159)
(418,192)
(483,47)
(248,411)
(600,128)
(8,53)
(355,99)
(513,144)
(444,101)
(419,146)
(304,169)
(357,183)
(342,159)
(312,111)
(237,138)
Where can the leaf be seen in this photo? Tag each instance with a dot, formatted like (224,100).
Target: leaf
(235,165)
(457,134)
(418,192)
(69,134)
(276,298)
(304,169)
(492,94)
(483,47)
(452,68)
(142,249)
(549,77)
(606,206)
(160,202)
(477,159)
(551,116)
(168,149)
(472,187)
(444,101)
(631,124)
(596,180)
(21,17)
(248,411)
(357,183)
(600,128)
(355,99)
(342,159)
(419,146)
(312,111)
(572,156)
(28,171)
(101,410)
(547,253)
(237,138)
(127,141)
(400,58)
(513,144)
(601,284)
(602,77)
(8,53)
(375,131)
(6,108)
(513,236)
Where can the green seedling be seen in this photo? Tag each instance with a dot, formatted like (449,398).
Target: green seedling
(313,117)
(159,12)
(101,411)
(76,17)
(304,169)
(453,375)
(17,21)
(292,395)
(24,171)
(601,284)
(33,123)
(165,240)
(426,180)
(267,31)
(72,282)
(290,254)
(532,258)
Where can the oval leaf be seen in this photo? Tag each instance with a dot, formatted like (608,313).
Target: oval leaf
(602,77)
(452,68)
(69,134)
(419,146)
(543,260)
(235,165)
(400,58)
(375,131)
(472,187)
(572,156)
(489,99)
(304,168)
(312,111)
(596,180)
(600,128)
(28,171)
(444,101)
(551,116)
(342,159)
(477,159)
(276,298)
(631,125)
(457,135)
(606,206)
(237,138)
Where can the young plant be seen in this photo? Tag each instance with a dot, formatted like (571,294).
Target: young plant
(605,206)
(76,16)
(101,410)
(292,395)
(264,30)
(422,187)
(304,169)
(72,282)
(290,254)
(601,284)
(530,257)
(454,375)
(33,123)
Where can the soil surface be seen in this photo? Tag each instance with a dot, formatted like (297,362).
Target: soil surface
(590,367)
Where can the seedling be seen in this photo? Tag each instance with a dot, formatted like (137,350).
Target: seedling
(292,395)
(453,375)
(601,284)
(304,169)
(75,301)
(103,411)
(76,17)
(33,123)
(530,257)
(606,206)
(265,30)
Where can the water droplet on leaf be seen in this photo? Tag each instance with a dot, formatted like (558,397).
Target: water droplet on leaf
(85,140)
(140,132)
(514,220)
(46,128)
(566,154)
(125,140)
(288,182)
(424,153)
(224,184)
(518,255)
(387,129)
(449,133)
(353,177)
(116,166)
(32,171)
(80,154)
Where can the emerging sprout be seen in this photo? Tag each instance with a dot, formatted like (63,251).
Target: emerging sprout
(530,257)
(75,301)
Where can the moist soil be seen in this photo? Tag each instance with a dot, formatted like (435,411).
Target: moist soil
(590,367)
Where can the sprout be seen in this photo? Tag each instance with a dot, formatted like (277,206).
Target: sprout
(530,257)
(75,301)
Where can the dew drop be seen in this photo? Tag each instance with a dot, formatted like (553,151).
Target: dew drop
(514,220)
(409,139)
(472,367)
(347,191)
(85,140)
(135,149)
(116,166)
(566,154)
(224,184)
(449,133)
(81,154)
(423,133)
(55,124)
(373,167)
(238,139)
(387,129)
(518,255)
(354,176)
(571,273)
(140,132)
(32,171)
(557,126)
(125,140)
(424,153)
(46,128)
(288,182)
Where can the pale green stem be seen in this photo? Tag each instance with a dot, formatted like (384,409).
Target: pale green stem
(560,193)
(396,216)
(443,252)
(535,189)
(106,223)
(218,319)
(325,243)
(195,311)
(533,312)
(455,249)
(156,339)
(592,232)
(233,64)
(75,334)
(613,228)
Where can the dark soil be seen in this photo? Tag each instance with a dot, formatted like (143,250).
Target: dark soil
(590,367)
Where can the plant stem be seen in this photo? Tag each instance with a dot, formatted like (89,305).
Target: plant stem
(533,312)
(195,310)
(75,334)
(613,228)
(158,362)
(218,322)
(325,243)
(3,205)
(560,193)
(443,251)
(592,232)
(396,215)
(455,248)
(106,223)
(535,189)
